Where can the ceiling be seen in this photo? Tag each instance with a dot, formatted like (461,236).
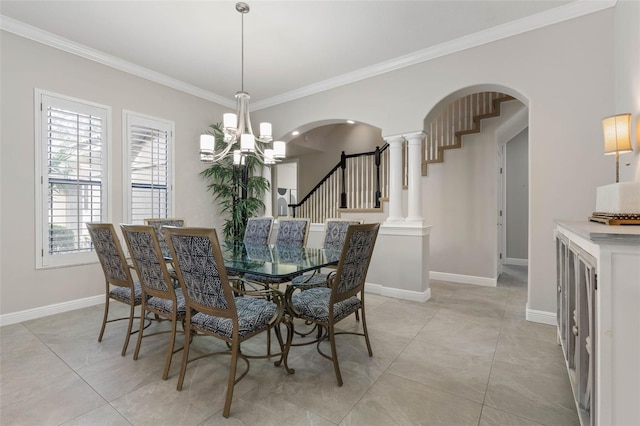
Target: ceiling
(291,48)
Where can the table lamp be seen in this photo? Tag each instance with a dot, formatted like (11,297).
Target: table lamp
(618,203)
(617,137)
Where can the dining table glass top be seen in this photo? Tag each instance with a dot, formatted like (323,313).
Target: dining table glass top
(276,261)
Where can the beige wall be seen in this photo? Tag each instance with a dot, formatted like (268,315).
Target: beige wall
(564,73)
(27,65)
(557,71)
(626,55)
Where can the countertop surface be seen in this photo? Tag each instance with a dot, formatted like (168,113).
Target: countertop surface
(598,232)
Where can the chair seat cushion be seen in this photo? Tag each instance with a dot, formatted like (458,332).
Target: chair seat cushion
(123,294)
(314,304)
(253,315)
(166,305)
(310,279)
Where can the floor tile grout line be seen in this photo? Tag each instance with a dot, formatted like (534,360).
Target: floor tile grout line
(71,370)
(489,380)
(493,358)
(504,331)
(389,366)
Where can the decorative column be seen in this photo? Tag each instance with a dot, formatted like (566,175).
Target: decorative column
(395,178)
(415,176)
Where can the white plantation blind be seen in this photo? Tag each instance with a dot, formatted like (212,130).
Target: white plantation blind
(72,154)
(149,143)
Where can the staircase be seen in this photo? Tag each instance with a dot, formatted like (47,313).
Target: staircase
(360,181)
(461,117)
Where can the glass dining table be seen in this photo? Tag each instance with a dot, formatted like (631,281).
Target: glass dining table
(279,263)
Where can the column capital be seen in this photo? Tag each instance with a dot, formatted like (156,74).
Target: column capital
(394,139)
(414,136)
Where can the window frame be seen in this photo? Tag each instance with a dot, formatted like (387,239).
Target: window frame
(129,119)
(43,259)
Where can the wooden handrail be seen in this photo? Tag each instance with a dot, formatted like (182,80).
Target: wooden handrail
(359,181)
(342,166)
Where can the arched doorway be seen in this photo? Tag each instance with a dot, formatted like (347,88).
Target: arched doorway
(465,199)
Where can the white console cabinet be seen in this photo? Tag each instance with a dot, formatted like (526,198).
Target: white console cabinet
(598,271)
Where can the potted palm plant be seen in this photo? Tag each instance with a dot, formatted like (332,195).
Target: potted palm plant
(238,188)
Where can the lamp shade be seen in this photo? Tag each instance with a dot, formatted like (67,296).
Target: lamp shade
(269,156)
(237,157)
(265,131)
(617,134)
(247,142)
(229,121)
(207,144)
(280,149)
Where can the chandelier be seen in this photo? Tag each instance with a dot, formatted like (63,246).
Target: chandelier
(239,138)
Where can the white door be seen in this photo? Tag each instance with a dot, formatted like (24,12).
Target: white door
(500,194)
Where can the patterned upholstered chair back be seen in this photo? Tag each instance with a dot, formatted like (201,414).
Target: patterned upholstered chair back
(292,232)
(157,226)
(336,231)
(200,267)
(109,251)
(148,259)
(354,262)
(258,231)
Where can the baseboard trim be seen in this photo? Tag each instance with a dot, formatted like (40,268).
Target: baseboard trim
(463,279)
(542,317)
(397,293)
(44,311)
(516,262)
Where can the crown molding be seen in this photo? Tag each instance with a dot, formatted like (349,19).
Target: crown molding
(553,16)
(36,34)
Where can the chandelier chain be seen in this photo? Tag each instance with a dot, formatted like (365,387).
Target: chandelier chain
(242,50)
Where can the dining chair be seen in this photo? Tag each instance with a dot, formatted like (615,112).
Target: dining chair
(214,307)
(335,231)
(256,236)
(258,231)
(120,285)
(159,296)
(292,233)
(158,223)
(326,306)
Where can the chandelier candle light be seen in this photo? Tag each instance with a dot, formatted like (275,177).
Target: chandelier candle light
(238,134)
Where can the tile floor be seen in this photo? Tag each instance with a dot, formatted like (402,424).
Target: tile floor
(466,357)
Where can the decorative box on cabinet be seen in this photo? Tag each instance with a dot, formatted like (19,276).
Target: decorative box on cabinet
(598,302)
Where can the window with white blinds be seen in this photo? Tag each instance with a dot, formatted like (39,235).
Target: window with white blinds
(149,162)
(71,141)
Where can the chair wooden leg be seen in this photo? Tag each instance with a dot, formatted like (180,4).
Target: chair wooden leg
(172,342)
(232,378)
(278,333)
(141,330)
(334,354)
(131,315)
(269,341)
(365,332)
(106,315)
(185,355)
(284,353)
